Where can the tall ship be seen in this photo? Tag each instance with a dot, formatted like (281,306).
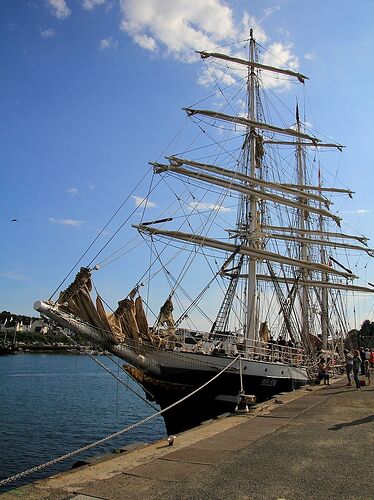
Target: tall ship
(245,276)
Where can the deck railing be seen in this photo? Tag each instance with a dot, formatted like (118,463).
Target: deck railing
(231,345)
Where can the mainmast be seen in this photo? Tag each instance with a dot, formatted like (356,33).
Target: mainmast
(302,226)
(250,237)
(251,215)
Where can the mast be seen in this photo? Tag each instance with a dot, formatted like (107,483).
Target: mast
(324,291)
(251,216)
(303,245)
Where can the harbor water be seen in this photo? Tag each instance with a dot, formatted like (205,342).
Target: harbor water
(52,404)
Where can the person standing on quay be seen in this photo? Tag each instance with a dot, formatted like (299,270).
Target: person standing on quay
(348,365)
(322,372)
(367,371)
(356,368)
(363,357)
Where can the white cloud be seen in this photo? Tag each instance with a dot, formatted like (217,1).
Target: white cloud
(270,10)
(59,8)
(146,42)
(283,32)
(311,56)
(248,23)
(179,26)
(279,55)
(359,211)
(108,43)
(196,205)
(214,75)
(142,201)
(48,33)
(14,276)
(67,222)
(72,191)
(91,4)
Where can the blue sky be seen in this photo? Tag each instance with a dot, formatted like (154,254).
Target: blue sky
(91,90)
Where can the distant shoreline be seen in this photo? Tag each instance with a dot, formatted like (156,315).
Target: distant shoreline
(49,349)
(51,343)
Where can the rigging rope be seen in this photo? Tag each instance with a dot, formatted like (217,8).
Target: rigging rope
(109,371)
(98,236)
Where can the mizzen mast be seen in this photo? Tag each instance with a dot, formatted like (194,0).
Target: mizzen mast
(324,292)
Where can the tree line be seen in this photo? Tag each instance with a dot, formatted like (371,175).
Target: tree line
(364,337)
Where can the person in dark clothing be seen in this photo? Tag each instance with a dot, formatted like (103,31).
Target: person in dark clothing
(356,368)
(322,372)
(363,357)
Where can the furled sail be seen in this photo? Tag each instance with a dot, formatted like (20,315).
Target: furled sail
(127,321)
(76,299)
(166,314)
(253,64)
(256,253)
(264,332)
(306,144)
(317,232)
(315,241)
(264,195)
(254,181)
(334,285)
(239,120)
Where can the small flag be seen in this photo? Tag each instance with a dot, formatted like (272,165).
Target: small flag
(319,174)
(297,112)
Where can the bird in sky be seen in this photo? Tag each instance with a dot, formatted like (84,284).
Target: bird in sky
(14,220)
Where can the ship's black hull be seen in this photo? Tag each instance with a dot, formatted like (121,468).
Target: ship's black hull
(172,374)
(219,397)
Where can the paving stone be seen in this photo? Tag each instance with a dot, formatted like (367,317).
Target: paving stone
(122,487)
(167,470)
(228,443)
(85,497)
(196,455)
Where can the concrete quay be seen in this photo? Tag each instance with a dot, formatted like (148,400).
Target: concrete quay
(312,443)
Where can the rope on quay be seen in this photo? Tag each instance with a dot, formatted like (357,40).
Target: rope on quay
(111,436)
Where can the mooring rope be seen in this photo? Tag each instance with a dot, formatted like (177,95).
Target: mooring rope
(111,436)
